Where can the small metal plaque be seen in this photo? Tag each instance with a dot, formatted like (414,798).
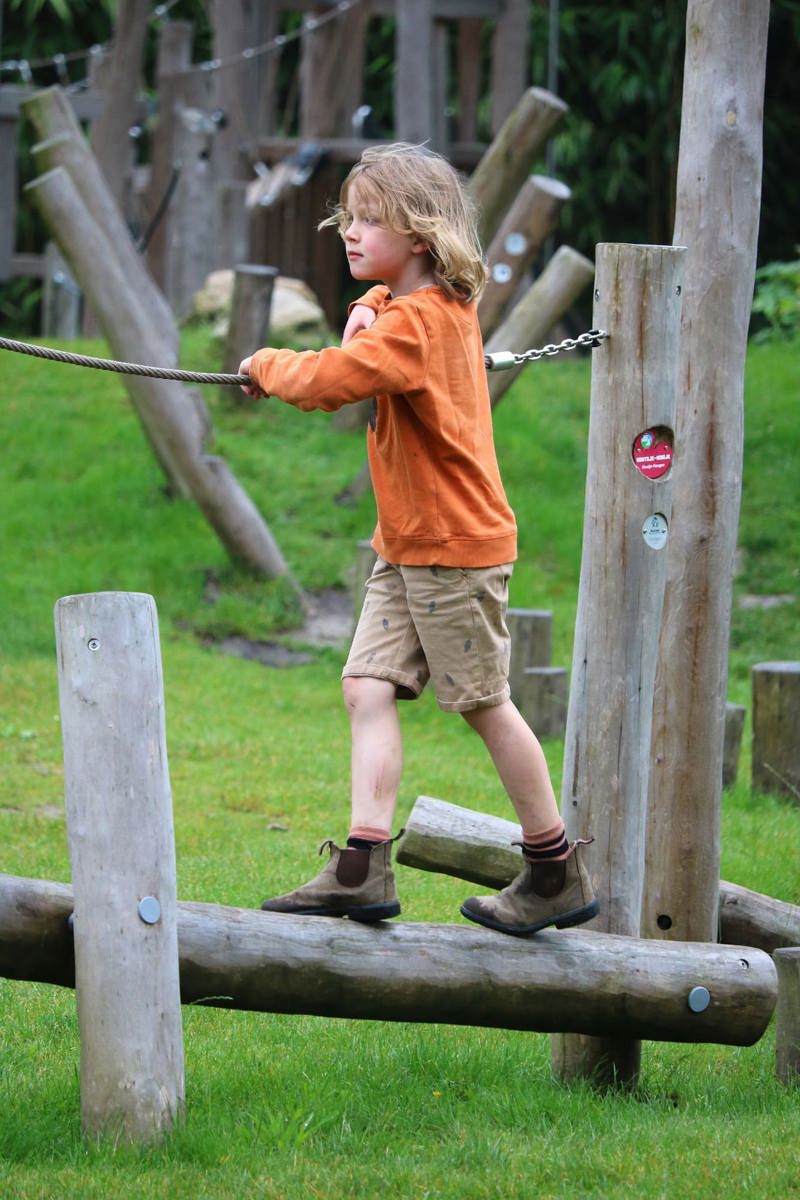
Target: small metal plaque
(655,531)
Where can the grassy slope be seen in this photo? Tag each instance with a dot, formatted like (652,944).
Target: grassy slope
(295,1107)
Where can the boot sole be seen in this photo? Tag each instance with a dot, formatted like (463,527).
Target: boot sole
(367,914)
(561,921)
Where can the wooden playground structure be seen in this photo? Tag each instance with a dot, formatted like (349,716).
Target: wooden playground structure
(644,744)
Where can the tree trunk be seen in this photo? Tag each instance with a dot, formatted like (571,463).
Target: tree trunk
(719,188)
(571,980)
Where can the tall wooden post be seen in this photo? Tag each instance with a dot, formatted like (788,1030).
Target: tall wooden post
(119,820)
(719,187)
(623,567)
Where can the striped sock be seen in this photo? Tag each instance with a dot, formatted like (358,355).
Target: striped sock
(364,837)
(548,845)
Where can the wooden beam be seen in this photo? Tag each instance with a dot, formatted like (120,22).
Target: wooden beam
(572,981)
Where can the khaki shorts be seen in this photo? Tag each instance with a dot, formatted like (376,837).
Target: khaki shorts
(446,624)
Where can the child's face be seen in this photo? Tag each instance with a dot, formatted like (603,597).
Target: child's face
(376,252)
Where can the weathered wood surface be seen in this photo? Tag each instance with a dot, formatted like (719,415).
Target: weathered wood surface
(787,1016)
(572,980)
(531,633)
(62,144)
(734,727)
(479,848)
(509,159)
(532,318)
(717,209)
(170,415)
(543,700)
(776,728)
(248,327)
(122,849)
(529,221)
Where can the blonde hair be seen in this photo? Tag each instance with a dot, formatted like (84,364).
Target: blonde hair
(419,193)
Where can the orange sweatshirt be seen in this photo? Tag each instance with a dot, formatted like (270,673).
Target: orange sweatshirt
(438,491)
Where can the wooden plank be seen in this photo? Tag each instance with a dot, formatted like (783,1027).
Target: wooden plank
(122,853)
(450,974)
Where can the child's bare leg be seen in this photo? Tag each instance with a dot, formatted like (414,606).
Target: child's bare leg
(376,755)
(520,763)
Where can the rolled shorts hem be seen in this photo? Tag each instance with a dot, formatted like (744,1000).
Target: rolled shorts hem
(462,706)
(375,671)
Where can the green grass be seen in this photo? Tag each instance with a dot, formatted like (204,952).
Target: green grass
(287,1107)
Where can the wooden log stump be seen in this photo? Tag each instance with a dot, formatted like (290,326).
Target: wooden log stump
(528,223)
(566,275)
(776,728)
(452,974)
(543,700)
(734,727)
(531,632)
(61,301)
(787,1016)
(248,327)
(474,846)
(366,558)
(119,825)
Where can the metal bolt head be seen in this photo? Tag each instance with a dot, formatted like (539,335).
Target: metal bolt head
(698,999)
(93,644)
(149,910)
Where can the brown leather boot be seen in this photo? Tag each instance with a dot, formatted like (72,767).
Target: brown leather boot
(544,893)
(358,884)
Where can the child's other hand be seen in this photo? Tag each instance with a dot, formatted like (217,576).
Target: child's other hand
(361,317)
(249,389)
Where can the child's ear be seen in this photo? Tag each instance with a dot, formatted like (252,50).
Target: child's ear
(420,248)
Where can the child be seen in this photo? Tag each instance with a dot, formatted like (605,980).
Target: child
(446,537)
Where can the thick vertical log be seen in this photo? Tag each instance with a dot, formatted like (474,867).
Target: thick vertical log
(531,319)
(504,167)
(623,567)
(734,727)
(415,94)
(787,1016)
(776,728)
(531,633)
(109,133)
(530,220)
(510,57)
(122,851)
(248,327)
(8,191)
(543,700)
(718,198)
(332,72)
(61,301)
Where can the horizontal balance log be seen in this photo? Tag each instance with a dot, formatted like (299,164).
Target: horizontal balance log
(477,847)
(567,982)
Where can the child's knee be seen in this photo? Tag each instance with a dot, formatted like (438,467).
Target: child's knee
(362,691)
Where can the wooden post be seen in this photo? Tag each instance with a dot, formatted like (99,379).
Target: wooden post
(776,728)
(332,73)
(8,191)
(63,145)
(719,172)
(787,1016)
(122,851)
(365,561)
(510,58)
(531,219)
(192,211)
(623,566)
(570,980)
(110,139)
(734,726)
(543,700)
(417,92)
(248,326)
(530,321)
(531,633)
(474,846)
(169,413)
(504,167)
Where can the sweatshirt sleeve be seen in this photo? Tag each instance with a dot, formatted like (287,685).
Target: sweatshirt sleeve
(390,357)
(373,299)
